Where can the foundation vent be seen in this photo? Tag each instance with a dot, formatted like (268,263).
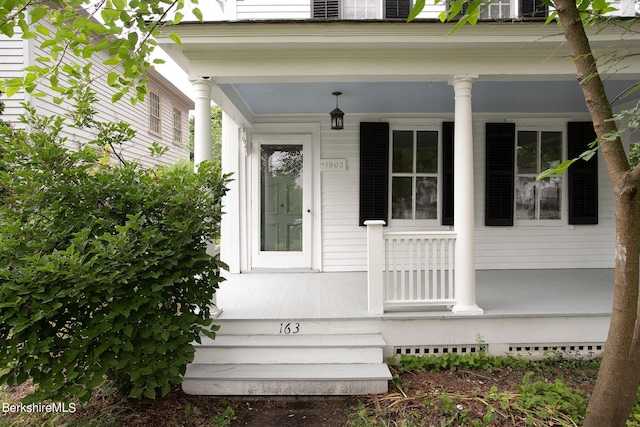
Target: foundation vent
(422,350)
(570,350)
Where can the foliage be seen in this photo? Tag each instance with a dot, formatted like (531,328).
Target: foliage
(634,154)
(70,32)
(216,134)
(535,401)
(473,361)
(104,270)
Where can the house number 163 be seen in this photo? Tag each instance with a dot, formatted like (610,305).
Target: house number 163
(289,328)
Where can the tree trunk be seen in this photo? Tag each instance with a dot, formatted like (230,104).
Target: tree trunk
(609,403)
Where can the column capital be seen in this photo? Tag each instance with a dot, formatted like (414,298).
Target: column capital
(463,80)
(202,87)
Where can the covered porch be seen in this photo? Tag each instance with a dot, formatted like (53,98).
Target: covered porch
(343,295)
(526,312)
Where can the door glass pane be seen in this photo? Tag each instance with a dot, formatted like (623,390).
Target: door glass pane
(426,198)
(427,152)
(525,198)
(402,151)
(401,198)
(281,198)
(527,152)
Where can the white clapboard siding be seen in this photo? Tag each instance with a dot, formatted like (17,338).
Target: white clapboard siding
(137,116)
(344,243)
(278,9)
(518,247)
(11,65)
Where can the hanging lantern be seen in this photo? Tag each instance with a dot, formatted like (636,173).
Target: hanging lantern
(337,116)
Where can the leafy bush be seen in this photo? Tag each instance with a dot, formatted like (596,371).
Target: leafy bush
(104,270)
(634,154)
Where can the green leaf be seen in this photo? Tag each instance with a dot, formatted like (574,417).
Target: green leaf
(198,14)
(112,76)
(416,10)
(175,38)
(37,13)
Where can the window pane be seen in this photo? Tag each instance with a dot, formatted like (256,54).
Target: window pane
(550,197)
(427,152)
(527,152)
(402,151)
(550,150)
(426,198)
(525,198)
(401,200)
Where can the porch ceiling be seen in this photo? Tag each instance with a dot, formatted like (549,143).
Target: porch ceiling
(389,97)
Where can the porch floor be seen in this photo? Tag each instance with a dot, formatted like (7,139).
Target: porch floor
(500,293)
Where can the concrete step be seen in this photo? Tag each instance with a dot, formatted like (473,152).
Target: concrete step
(290,349)
(303,326)
(286,379)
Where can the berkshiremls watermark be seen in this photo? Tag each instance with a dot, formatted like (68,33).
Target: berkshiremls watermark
(54,407)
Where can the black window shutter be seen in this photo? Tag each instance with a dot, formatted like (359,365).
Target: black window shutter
(499,173)
(534,9)
(374,171)
(582,176)
(397,9)
(447,173)
(326,9)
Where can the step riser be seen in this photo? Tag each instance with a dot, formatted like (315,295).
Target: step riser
(287,355)
(284,388)
(298,327)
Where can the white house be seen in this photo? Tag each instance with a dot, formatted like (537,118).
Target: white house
(416,225)
(163,117)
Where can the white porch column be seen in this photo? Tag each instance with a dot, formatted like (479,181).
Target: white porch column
(375,282)
(202,146)
(203,150)
(463,213)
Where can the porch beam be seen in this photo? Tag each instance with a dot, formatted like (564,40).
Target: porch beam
(463,213)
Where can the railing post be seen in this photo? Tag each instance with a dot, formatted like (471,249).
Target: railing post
(375,282)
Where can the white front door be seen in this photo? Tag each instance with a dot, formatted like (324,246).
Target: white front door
(281,201)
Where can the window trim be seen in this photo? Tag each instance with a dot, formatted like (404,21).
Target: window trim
(414,127)
(152,116)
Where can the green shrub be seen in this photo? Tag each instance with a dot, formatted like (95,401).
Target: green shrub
(104,270)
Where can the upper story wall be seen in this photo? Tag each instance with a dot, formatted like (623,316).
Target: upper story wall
(171,115)
(380,9)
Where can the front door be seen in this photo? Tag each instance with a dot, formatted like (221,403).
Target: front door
(281,202)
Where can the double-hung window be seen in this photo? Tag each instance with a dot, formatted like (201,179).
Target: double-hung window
(155,118)
(177,126)
(537,151)
(414,174)
(515,157)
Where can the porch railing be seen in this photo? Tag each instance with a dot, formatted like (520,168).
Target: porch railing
(410,269)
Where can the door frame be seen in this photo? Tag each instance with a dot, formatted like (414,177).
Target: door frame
(273,260)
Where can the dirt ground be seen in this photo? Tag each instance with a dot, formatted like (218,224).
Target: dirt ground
(405,400)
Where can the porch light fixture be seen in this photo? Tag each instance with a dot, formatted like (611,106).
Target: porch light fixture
(337,116)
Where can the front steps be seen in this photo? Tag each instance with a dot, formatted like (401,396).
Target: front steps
(288,364)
